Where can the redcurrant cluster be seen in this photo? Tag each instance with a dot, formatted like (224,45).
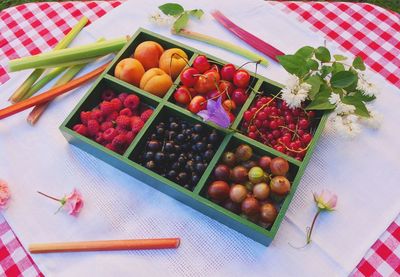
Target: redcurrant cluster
(271,122)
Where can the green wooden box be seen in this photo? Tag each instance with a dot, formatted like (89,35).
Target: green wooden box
(197,198)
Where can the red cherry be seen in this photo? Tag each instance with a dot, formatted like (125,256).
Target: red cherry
(189,76)
(247,115)
(306,138)
(182,95)
(226,86)
(231,117)
(214,94)
(201,63)
(207,81)
(241,78)
(227,72)
(303,123)
(239,96)
(197,104)
(229,105)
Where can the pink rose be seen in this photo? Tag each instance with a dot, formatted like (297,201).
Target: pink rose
(4,194)
(73,203)
(325,200)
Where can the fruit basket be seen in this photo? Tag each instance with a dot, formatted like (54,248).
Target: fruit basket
(163,111)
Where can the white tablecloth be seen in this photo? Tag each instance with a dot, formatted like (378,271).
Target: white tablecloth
(363,172)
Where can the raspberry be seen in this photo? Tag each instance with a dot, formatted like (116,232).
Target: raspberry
(130,136)
(123,96)
(121,130)
(93,127)
(126,112)
(97,115)
(132,102)
(123,121)
(106,107)
(107,95)
(85,116)
(106,125)
(111,147)
(113,116)
(119,142)
(99,138)
(80,129)
(110,134)
(135,113)
(117,103)
(146,114)
(136,124)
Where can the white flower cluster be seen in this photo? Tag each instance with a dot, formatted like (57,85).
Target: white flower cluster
(344,121)
(367,88)
(161,19)
(295,92)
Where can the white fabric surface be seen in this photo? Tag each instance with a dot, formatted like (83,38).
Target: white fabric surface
(363,172)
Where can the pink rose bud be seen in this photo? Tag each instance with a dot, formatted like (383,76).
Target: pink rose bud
(325,200)
(4,194)
(73,203)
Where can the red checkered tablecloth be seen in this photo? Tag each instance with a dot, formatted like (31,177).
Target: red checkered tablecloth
(361,29)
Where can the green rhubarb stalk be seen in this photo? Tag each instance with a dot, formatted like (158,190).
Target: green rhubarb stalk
(42,82)
(223,44)
(74,55)
(38,110)
(35,75)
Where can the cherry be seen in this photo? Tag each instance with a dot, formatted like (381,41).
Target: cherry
(306,138)
(239,96)
(214,94)
(247,115)
(197,104)
(182,95)
(229,105)
(201,63)
(227,72)
(189,76)
(241,78)
(303,123)
(226,87)
(207,81)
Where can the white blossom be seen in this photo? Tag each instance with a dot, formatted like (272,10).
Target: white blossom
(334,98)
(295,92)
(374,120)
(341,108)
(366,87)
(161,19)
(346,125)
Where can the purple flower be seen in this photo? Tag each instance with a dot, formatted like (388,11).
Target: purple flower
(216,113)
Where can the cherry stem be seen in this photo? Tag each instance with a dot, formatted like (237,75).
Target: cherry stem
(48,196)
(309,231)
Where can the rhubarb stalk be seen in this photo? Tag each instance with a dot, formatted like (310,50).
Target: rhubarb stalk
(70,56)
(223,44)
(247,37)
(35,75)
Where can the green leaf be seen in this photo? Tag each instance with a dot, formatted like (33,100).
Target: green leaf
(181,22)
(293,64)
(337,67)
(312,64)
(365,98)
(361,109)
(173,9)
(358,63)
(196,13)
(323,54)
(305,52)
(343,79)
(315,83)
(321,102)
(325,70)
(339,58)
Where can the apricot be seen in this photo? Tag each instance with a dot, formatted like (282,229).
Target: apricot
(156,81)
(129,70)
(172,61)
(148,53)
